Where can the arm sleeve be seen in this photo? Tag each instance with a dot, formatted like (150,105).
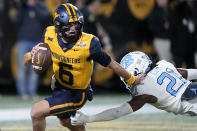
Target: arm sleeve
(97,54)
(191,74)
(111,114)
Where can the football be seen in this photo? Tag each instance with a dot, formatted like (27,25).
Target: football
(42,59)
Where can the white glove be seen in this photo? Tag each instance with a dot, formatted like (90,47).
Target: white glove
(78,119)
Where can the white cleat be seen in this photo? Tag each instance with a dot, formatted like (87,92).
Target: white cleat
(78,119)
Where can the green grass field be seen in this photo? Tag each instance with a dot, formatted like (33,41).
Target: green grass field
(14,116)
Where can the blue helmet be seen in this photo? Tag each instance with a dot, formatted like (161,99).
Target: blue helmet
(135,62)
(66,14)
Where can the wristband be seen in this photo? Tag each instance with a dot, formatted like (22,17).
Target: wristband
(131,80)
(29,56)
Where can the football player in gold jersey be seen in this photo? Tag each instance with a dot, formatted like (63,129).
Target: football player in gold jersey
(72,53)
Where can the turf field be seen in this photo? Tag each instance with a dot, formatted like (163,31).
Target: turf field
(14,116)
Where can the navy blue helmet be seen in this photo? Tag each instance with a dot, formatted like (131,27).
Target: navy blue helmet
(65,15)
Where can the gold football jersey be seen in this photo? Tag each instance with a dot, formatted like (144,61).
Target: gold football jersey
(71,67)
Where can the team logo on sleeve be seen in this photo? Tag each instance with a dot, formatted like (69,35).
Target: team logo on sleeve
(81,44)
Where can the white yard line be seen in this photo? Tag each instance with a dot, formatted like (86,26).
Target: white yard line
(24,113)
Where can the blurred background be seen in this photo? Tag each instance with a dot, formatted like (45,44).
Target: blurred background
(164,29)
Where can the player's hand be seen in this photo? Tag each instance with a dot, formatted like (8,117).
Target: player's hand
(78,119)
(138,79)
(27,59)
(35,49)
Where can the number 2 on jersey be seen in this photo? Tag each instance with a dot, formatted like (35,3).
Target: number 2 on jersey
(171,84)
(63,72)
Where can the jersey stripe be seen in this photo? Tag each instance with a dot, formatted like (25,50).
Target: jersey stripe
(73,10)
(65,111)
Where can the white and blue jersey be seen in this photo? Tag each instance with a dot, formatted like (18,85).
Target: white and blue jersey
(167,84)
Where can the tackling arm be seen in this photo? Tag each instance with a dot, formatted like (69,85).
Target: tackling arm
(138,101)
(114,113)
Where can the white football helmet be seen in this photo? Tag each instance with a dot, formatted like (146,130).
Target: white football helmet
(135,63)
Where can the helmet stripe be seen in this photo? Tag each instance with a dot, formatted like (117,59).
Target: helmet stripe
(69,13)
(73,10)
(56,15)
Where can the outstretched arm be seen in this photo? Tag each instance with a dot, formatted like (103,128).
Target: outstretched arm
(98,55)
(191,90)
(189,74)
(114,113)
(129,78)
(138,102)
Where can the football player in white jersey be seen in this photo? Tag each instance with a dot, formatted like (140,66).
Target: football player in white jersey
(164,87)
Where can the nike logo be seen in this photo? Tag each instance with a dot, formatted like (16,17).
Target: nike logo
(75,50)
(38,62)
(49,38)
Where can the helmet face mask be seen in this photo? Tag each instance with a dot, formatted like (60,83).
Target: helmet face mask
(67,15)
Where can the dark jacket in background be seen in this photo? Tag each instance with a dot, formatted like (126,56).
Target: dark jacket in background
(183,39)
(90,21)
(31,21)
(157,20)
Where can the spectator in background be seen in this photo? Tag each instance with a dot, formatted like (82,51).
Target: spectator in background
(91,23)
(2,15)
(93,26)
(184,34)
(1,30)
(78,3)
(159,23)
(31,18)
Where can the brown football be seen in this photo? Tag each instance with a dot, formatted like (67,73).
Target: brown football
(42,59)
